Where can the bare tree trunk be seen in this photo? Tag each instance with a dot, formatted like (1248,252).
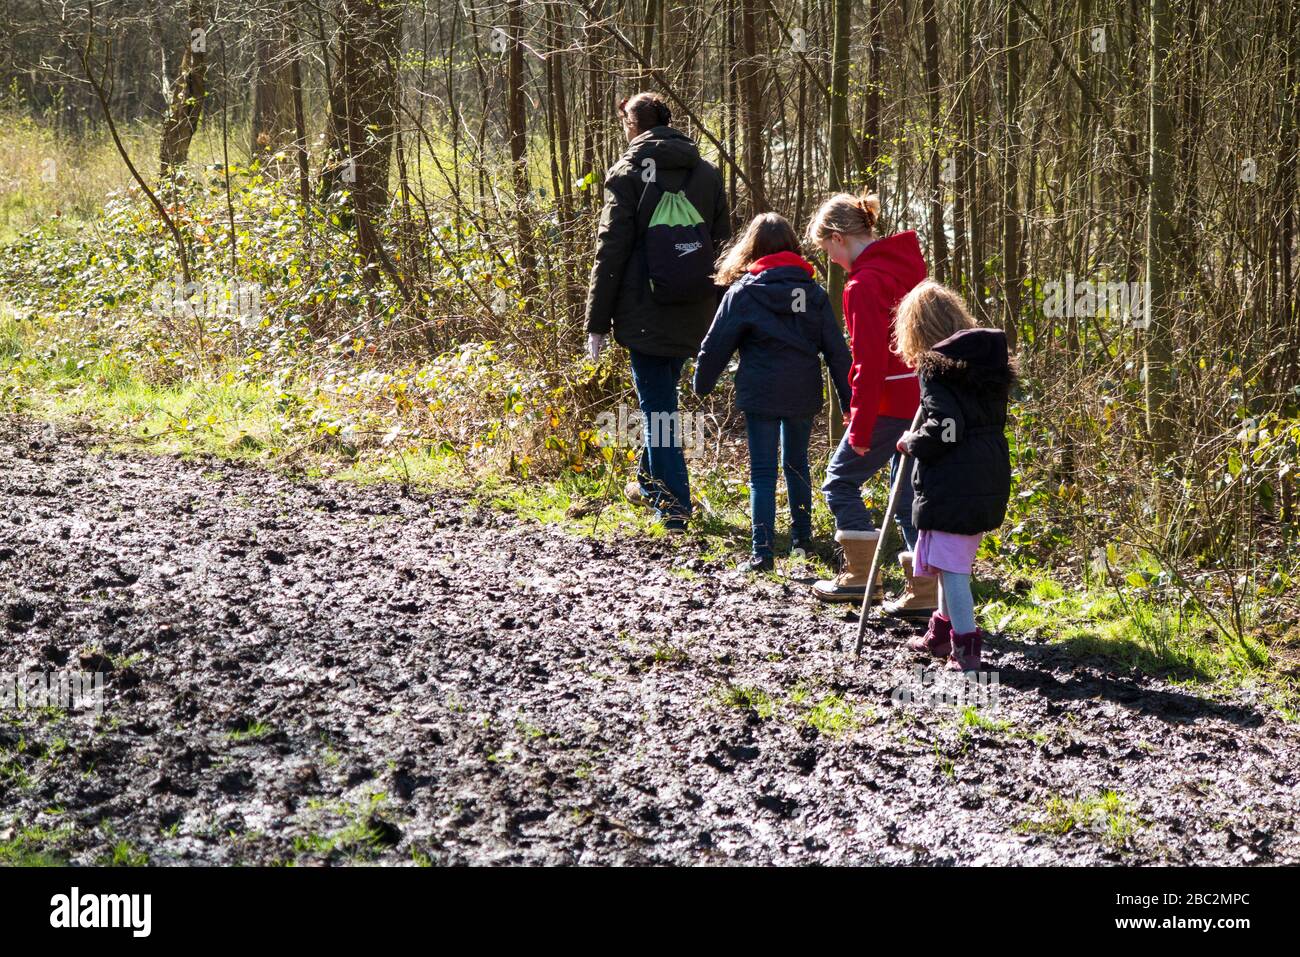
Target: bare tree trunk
(839,120)
(962,162)
(517,126)
(1160,250)
(976,148)
(839,146)
(596,69)
(559,109)
(871,133)
(362,118)
(648,38)
(1287,192)
(188,92)
(299,119)
(1011,278)
(751,106)
(273,87)
(938,238)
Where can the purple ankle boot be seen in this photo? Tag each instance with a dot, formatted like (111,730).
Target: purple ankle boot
(937,640)
(965,653)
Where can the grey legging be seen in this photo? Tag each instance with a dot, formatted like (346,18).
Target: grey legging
(956,602)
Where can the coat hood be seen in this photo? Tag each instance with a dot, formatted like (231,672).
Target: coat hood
(976,358)
(898,255)
(669,148)
(784,290)
(782,259)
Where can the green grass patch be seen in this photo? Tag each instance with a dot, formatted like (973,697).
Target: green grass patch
(1132,630)
(749,699)
(352,831)
(833,716)
(36,847)
(1108,816)
(12,768)
(971,718)
(254,731)
(122,854)
(218,413)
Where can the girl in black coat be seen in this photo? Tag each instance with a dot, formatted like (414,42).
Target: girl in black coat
(780,320)
(962,476)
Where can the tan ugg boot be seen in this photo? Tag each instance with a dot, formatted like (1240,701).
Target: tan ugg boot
(851,583)
(919,599)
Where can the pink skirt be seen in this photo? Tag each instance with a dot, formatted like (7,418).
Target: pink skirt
(944,551)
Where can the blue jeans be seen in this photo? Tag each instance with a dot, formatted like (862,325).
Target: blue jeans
(792,435)
(662,469)
(848,471)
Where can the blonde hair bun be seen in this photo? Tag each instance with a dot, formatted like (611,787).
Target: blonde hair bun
(870,206)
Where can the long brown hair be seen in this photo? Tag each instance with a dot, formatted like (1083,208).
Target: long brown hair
(767,233)
(926,316)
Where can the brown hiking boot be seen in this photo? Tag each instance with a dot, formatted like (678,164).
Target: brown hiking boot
(851,583)
(919,599)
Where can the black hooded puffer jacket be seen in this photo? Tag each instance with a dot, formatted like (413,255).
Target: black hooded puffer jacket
(962,476)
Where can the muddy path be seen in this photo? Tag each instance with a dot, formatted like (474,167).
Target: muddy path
(313,672)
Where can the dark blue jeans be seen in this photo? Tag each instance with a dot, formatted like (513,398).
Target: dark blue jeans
(792,435)
(848,472)
(662,469)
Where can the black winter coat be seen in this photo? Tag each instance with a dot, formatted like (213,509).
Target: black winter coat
(619,292)
(962,476)
(782,322)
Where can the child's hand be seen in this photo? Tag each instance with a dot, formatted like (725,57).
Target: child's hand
(901,444)
(859,449)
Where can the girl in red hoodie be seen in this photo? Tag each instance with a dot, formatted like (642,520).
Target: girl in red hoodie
(881,271)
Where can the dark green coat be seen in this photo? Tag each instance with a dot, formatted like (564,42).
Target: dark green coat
(619,293)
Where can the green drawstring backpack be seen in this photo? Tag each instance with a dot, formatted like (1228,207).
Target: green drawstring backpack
(678,249)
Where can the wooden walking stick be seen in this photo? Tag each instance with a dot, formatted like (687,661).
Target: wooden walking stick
(904,468)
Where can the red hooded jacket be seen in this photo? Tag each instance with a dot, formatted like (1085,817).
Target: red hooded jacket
(882,383)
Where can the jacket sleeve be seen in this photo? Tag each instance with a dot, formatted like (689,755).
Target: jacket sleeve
(836,353)
(942,424)
(870,341)
(615,237)
(719,345)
